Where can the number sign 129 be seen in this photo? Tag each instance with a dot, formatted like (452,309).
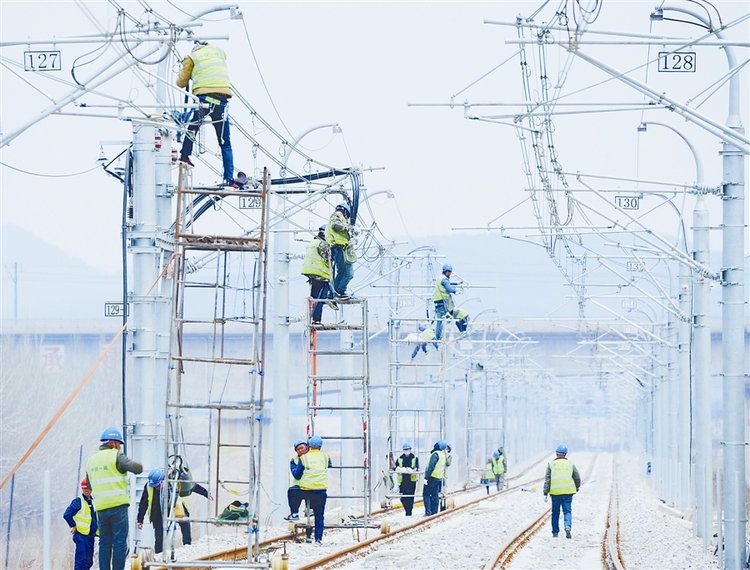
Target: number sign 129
(677,61)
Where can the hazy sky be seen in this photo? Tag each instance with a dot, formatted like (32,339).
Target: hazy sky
(359,65)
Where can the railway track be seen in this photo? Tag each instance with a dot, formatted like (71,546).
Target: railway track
(611,556)
(610,553)
(278,546)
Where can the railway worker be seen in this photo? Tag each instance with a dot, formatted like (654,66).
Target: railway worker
(317,268)
(407,466)
(462,319)
(312,473)
(444,486)
(561,481)
(498,469)
(424,335)
(151,503)
(338,235)
(294,494)
(443,299)
(489,474)
(206,66)
(81,519)
(107,477)
(434,478)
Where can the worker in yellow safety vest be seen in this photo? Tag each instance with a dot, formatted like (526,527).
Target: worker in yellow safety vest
(444,305)
(407,467)
(561,482)
(434,478)
(339,233)
(107,477)
(206,66)
(294,493)
(498,468)
(81,519)
(312,473)
(317,268)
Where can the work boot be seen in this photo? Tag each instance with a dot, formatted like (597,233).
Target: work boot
(185,159)
(567,533)
(309,540)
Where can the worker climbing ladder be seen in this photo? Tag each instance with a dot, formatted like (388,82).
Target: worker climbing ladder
(215,392)
(338,409)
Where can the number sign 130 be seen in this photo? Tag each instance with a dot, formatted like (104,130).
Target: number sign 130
(627,202)
(677,61)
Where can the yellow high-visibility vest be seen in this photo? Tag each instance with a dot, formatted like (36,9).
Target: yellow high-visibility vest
(315,475)
(439,471)
(562,482)
(489,472)
(109,486)
(441,293)
(400,463)
(314,264)
(333,236)
(497,466)
(83,518)
(209,68)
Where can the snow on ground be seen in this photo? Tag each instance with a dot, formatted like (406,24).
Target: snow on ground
(650,538)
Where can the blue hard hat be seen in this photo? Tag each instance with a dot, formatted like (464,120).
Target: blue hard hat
(562,449)
(406,445)
(496,454)
(447,267)
(112,433)
(316,441)
(441,445)
(345,207)
(421,328)
(298,443)
(322,228)
(155,477)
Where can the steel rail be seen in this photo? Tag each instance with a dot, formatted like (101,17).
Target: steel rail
(515,544)
(611,555)
(239,553)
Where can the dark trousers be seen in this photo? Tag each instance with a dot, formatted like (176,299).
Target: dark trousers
(319,290)
(407,488)
(317,501)
(84,551)
(158,538)
(187,536)
(294,498)
(113,537)
(431,496)
(221,124)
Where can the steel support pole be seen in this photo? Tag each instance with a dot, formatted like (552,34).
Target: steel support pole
(702,376)
(733,324)
(683,367)
(149,321)
(280,380)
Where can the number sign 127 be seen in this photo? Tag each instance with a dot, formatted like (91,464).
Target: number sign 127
(42,61)
(677,61)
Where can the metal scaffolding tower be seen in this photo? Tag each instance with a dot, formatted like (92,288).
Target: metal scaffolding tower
(215,391)
(416,390)
(338,408)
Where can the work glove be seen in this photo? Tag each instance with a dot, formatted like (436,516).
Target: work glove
(545,498)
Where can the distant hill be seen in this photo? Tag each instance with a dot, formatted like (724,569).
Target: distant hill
(51,283)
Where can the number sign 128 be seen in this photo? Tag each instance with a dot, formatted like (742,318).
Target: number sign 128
(677,61)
